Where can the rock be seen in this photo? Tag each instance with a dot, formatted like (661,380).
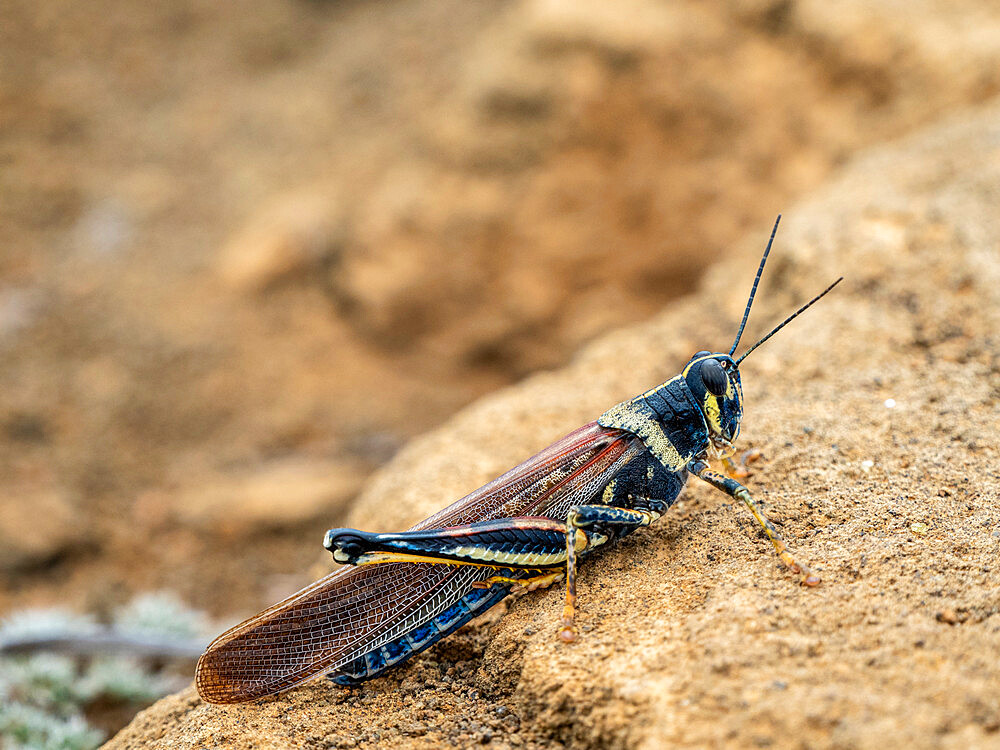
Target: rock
(580,126)
(38,523)
(697,636)
(296,235)
(19,308)
(274,495)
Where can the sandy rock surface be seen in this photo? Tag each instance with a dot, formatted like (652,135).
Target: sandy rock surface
(234,239)
(878,418)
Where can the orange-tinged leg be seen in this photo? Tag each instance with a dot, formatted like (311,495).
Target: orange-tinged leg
(542,581)
(740,469)
(731,487)
(598,520)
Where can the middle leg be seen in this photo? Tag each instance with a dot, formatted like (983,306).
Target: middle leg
(594,518)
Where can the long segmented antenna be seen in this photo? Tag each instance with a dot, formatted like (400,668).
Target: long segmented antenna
(789,319)
(753,289)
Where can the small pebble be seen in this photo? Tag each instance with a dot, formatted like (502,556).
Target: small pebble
(890,403)
(948,616)
(918,528)
(867,465)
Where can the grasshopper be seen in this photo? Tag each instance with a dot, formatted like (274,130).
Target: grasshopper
(400,593)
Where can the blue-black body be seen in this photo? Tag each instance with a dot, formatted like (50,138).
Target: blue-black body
(422,637)
(400,593)
(668,412)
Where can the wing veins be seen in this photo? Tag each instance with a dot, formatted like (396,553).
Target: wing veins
(364,608)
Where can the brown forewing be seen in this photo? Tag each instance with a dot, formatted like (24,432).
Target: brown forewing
(353,610)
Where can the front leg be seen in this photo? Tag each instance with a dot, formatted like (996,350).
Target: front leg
(583,517)
(740,470)
(733,488)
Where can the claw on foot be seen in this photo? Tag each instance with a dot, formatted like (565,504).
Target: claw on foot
(740,470)
(567,632)
(807,577)
(810,579)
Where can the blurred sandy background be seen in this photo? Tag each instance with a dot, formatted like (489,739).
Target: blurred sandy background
(248,250)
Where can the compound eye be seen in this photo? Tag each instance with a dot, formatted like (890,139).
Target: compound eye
(714,377)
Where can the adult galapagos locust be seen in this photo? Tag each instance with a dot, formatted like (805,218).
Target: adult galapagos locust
(400,593)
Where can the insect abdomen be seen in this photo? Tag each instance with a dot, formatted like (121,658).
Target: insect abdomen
(425,635)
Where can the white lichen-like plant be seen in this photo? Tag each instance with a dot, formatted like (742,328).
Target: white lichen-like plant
(54,664)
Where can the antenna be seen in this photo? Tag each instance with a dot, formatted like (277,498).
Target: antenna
(753,290)
(787,320)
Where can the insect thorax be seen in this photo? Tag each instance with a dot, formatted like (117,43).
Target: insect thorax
(667,420)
